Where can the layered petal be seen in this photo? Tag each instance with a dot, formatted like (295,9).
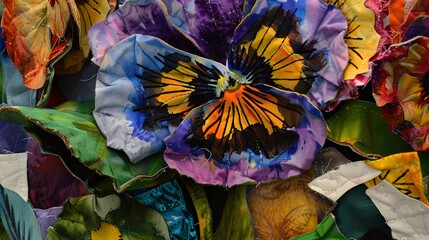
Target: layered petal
(238,135)
(361,38)
(381,11)
(401,90)
(85,13)
(297,45)
(139,92)
(136,17)
(27,31)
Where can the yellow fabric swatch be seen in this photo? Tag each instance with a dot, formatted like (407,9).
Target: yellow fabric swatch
(403,171)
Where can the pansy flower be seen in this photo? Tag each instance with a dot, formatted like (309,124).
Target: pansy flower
(401,87)
(241,117)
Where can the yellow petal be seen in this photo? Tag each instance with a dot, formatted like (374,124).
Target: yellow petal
(402,171)
(361,37)
(86,14)
(105,231)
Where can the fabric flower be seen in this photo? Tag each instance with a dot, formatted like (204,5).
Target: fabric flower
(37,34)
(401,90)
(362,41)
(381,10)
(394,18)
(361,38)
(233,118)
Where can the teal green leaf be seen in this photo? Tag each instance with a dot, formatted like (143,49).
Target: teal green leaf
(202,207)
(74,124)
(361,126)
(3,232)
(78,220)
(18,217)
(236,222)
(325,230)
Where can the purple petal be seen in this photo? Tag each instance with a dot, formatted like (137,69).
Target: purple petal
(136,17)
(13,139)
(47,218)
(419,27)
(210,24)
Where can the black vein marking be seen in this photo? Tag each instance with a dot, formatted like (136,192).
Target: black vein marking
(83,7)
(255,136)
(250,60)
(397,183)
(197,92)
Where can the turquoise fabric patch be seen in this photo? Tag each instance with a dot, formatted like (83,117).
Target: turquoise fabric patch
(168,199)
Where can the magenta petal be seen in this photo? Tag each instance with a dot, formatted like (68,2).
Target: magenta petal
(136,17)
(381,10)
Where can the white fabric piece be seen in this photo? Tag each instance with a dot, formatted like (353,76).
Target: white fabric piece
(407,217)
(118,133)
(13,173)
(335,183)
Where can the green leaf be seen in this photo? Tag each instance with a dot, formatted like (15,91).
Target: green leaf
(424,162)
(236,222)
(326,230)
(3,232)
(17,216)
(104,205)
(133,220)
(76,220)
(361,126)
(73,123)
(202,207)
(136,221)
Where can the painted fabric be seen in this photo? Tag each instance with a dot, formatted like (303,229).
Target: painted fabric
(407,217)
(335,183)
(284,209)
(40,33)
(160,86)
(13,174)
(168,199)
(191,119)
(400,90)
(403,172)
